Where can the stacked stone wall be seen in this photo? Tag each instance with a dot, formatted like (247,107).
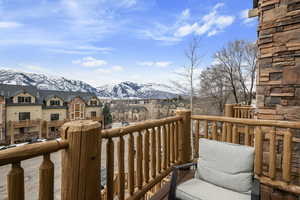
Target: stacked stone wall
(278,75)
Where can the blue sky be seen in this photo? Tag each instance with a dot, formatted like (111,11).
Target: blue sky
(108,41)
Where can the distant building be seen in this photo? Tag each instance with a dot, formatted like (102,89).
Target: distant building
(26,110)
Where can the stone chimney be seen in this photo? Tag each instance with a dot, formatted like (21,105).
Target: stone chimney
(278,67)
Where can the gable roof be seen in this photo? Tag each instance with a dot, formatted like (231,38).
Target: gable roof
(10,90)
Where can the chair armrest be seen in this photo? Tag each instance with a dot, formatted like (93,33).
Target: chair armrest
(178,167)
(255,191)
(173,183)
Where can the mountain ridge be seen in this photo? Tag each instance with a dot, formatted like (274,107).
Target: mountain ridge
(122,90)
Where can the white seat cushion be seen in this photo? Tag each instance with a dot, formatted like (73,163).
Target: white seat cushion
(226,165)
(196,189)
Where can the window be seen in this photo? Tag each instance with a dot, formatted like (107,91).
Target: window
(54,117)
(93,103)
(24,116)
(24,99)
(93,114)
(77,111)
(55,103)
(53,129)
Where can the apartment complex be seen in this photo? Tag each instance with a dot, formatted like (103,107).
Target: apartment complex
(28,112)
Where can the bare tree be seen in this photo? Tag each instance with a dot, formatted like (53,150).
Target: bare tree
(215,87)
(238,61)
(187,85)
(251,58)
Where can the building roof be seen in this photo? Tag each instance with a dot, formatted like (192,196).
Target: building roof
(41,95)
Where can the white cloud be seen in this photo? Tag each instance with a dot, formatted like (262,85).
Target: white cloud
(82,50)
(9,24)
(90,62)
(113,69)
(244,16)
(210,24)
(186,24)
(161,64)
(117,68)
(185,14)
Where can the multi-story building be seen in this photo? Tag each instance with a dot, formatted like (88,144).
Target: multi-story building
(28,112)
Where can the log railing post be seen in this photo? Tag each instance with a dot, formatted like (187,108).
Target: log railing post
(185,148)
(81,161)
(228,112)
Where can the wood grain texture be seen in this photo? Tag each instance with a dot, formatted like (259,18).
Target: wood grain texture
(15,182)
(46,179)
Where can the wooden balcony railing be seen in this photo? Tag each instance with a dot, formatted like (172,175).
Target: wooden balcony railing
(243,112)
(139,157)
(153,148)
(239,111)
(273,141)
(15,178)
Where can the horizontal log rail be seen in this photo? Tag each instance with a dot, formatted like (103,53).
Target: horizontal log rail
(250,122)
(25,152)
(15,178)
(269,137)
(117,132)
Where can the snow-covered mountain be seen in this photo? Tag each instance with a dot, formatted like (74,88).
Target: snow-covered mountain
(135,90)
(121,90)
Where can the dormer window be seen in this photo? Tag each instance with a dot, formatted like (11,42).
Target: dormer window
(93,102)
(55,103)
(24,99)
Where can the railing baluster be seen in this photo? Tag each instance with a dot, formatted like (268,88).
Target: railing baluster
(206,129)
(168,145)
(171,132)
(214,131)
(139,161)
(15,182)
(165,148)
(46,182)
(229,132)
(197,135)
(146,156)
(153,153)
(121,156)
(247,136)
(158,149)
(175,142)
(178,140)
(272,153)
(287,156)
(110,168)
(131,164)
(235,138)
(224,132)
(259,138)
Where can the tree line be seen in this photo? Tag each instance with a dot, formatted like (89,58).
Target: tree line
(229,79)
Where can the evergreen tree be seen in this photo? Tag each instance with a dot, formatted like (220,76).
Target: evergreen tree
(107,115)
